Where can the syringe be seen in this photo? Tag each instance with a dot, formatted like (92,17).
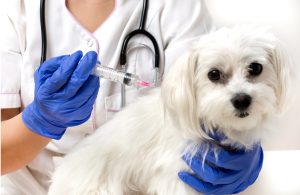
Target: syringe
(119,76)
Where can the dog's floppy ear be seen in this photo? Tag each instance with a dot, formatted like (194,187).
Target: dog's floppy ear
(178,92)
(282,66)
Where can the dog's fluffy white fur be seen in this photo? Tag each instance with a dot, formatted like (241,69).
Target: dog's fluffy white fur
(140,150)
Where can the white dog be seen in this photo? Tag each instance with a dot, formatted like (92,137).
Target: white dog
(233,80)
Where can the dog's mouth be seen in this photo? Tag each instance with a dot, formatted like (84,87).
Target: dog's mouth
(242,114)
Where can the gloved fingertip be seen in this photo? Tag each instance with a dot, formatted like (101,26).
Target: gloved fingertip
(92,57)
(77,53)
(183,176)
(94,53)
(186,157)
(74,58)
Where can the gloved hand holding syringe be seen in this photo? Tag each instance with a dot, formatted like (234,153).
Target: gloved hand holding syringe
(118,76)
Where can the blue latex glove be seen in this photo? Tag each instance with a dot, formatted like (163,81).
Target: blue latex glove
(64,94)
(231,173)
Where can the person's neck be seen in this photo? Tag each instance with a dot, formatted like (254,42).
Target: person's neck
(90,13)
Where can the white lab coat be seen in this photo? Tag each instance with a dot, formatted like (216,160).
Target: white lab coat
(175,24)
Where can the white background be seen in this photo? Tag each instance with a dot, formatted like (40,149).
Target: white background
(280,174)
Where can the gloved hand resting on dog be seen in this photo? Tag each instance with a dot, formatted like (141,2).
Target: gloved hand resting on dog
(64,94)
(231,172)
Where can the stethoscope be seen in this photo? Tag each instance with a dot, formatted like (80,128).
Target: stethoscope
(140,31)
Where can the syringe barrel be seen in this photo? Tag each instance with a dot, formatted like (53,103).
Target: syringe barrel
(115,75)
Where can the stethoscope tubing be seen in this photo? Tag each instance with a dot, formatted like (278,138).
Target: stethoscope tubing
(43,31)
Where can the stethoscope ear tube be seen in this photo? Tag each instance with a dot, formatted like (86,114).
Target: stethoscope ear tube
(43,31)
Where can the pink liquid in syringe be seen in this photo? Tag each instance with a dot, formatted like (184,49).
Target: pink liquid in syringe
(144,84)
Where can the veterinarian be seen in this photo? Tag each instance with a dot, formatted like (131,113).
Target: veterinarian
(47,109)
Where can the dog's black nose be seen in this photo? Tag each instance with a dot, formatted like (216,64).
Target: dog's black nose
(241,101)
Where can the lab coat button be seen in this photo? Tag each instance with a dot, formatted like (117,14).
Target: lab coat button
(90,43)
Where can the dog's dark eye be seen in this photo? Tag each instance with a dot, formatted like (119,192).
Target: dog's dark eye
(255,69)
(214,75)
